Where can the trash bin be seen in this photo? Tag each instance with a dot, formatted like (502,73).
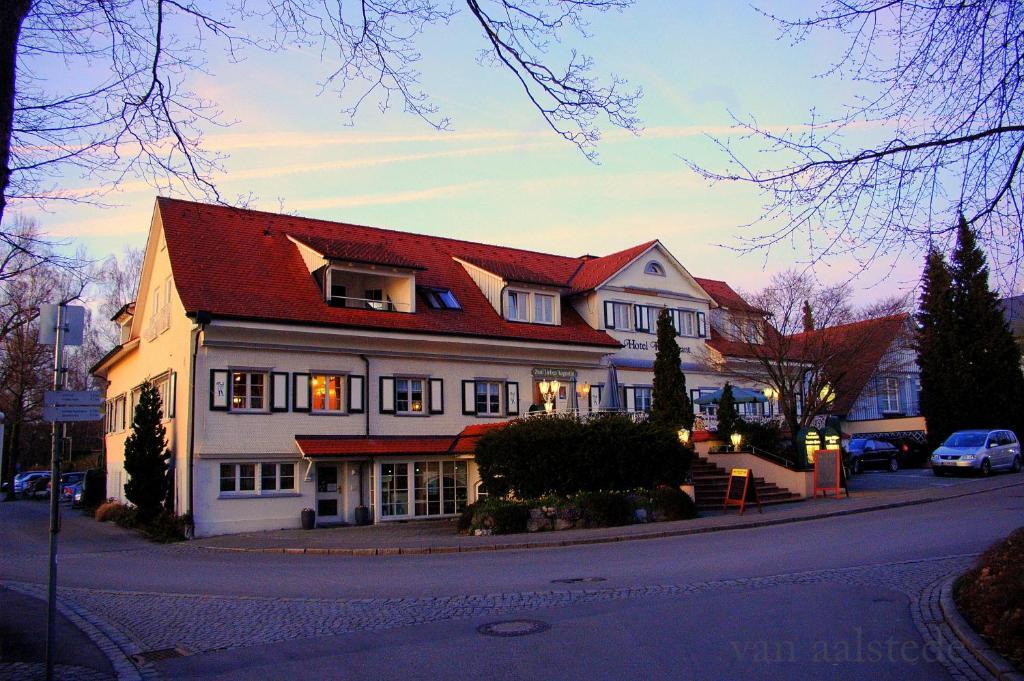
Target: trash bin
(308,519)
(362,515)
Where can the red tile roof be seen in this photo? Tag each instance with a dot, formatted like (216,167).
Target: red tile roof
(866,343)
(725,295)
(374,252)
(595,271)
(240,264)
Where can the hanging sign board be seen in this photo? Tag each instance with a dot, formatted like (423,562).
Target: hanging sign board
(829,475)
(541,373)
(741,490)
(809,441)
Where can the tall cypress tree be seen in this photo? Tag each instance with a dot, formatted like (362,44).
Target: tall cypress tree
(808,317)
(670,407)
(146,457)
(992,385)
(937,354)
(727,417)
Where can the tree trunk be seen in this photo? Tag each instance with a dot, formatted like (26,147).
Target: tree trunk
(12,14)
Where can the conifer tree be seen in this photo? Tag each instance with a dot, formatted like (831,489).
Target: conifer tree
(991,385)
(808,317)
(937,355)
(727,417)
(670,406)
(145,456)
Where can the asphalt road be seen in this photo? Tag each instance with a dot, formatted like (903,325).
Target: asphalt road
(830,599)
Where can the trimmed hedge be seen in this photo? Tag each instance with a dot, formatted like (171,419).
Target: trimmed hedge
(562,455)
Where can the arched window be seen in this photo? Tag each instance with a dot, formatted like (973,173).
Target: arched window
(654,268)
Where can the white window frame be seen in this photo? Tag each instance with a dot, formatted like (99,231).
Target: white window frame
(654,267)
(626,310)
(497,385)
(686,323)
(522,306)
(163,383)
(891,396)
(409,411)
(341,379)
(539,318)
(278,489)
(247,399)
(236,478)
(646,390)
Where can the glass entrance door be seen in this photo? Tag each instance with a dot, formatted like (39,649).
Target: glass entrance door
(328,494)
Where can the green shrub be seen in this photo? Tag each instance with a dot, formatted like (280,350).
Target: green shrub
(501,516)
(606,509)
(562,455)
(766,436)
(673,503)
(167,527)
(465,521)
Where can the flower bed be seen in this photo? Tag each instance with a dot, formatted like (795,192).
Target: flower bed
(577,511)
(991,597)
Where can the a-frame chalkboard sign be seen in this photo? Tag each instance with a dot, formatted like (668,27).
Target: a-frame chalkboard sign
(741,489)
(829,473)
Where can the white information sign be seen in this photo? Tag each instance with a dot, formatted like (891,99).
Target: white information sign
(72,413)
(74,324)
(72,398)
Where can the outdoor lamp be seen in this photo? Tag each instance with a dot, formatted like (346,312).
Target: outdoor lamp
(544,387)
(771,393)
(826,393)
(554,387)
(736,439)
(583,389)
(684,436)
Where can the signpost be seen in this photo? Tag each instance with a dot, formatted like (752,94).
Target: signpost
(741,489)
(61,325)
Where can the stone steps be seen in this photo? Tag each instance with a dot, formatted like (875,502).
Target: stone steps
(711,481)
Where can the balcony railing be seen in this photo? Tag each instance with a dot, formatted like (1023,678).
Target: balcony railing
(159,322)
(370,304)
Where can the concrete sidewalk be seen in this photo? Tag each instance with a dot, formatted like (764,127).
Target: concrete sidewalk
(23,643)
(439,536)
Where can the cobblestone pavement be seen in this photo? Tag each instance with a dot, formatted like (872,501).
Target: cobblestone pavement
(201,623)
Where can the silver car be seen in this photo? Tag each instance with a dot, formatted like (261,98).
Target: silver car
(980,451)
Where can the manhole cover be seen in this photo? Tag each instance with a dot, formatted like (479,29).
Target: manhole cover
(512,628)
(577,580)
(150,656)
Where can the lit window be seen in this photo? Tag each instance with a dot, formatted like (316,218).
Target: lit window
(248,390)
(488,397)
(327,392)
(518,306)
(409,395)
(543,309)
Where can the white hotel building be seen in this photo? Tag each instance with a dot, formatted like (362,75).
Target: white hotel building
(313,364)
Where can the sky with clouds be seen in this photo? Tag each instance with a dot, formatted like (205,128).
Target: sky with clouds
(500,176)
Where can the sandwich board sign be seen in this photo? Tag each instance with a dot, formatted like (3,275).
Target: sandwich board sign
(829,474)
(741,489)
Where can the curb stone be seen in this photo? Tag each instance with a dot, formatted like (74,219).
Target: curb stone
(993,661)
(115,646)
(583,541)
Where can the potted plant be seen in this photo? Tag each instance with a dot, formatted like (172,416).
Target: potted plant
(308,519)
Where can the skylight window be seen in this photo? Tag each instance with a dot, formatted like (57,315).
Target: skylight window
(441,299)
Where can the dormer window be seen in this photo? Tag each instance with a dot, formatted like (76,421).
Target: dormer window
(339,292)
(543,309)
(441,299)
(654,268)
(518,306)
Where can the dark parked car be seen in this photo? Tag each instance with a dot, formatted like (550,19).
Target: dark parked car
(67,483)
(864,454)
